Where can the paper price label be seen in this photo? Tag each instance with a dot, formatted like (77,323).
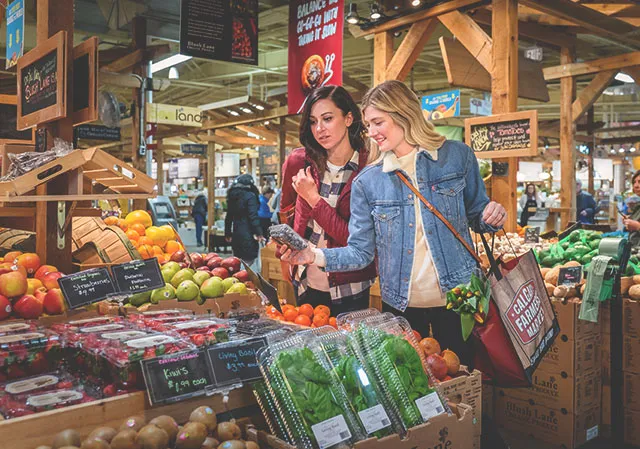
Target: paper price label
(374,419)
(331,431)
(430,406)
(592,433)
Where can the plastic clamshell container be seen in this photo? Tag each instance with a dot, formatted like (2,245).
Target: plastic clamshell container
(135,315)
(72,332)
(18,327)
(202,331)
(29,353)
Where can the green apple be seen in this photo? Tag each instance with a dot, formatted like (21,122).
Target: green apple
(183,275)
(160,294)
(200,277)
(212,287)
(137,299)
(238,287)
(187,291)
(228,282)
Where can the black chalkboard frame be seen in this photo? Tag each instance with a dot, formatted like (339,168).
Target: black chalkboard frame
(57,43)
(13,101)
(90,113)
(530,151)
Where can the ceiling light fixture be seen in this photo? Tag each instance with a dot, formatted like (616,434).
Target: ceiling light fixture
(415,3)
(168,62)
(375,11)
(353,17)
(259,107)
(621,150)
(232,112)
(623,77)
(174,74)
(632,150)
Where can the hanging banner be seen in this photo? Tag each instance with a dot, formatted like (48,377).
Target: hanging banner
(220,30)
(315,47)
(15,32)
(442,105)
(169,114)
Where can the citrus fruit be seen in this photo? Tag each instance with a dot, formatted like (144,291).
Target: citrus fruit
(111,220)
(322,310)
(286,307)
(172,246)
(303,320)
(139,216)
(146,251)
(168,230)
(306,309)
(144,240)
(132,235)
(157,235)
(290,314)
(123,224)
(320,320)
(333,322)
(157,250)
(139,228)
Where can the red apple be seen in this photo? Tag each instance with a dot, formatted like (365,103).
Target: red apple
(221,272)
(5,268)
(13,284)
(33,285)
(5,307)
(232,264)
(50,280)
(209,256)
(44,269)
(184,265)
(203,268)
(438,366)
(214,262)
(54,302)
(40,294)
(242,276)
(28,307)
(30,261)
(178,256)
(197,260)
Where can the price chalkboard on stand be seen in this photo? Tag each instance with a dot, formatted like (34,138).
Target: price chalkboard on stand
(86,287)
(176,377)
(570,276)
(8,127)
(235,362)
(532,235)
(42,79)
(85,81)
(138,276)
(505,135)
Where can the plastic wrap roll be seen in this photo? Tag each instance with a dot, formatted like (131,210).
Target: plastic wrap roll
(612,247)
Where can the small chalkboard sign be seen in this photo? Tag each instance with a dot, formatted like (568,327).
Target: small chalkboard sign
(505,135)
(138,276)
(86,287)
(85,81)
(97,132)
(570,276)
(176,377)
(235,361)
(532,235)
(8,127)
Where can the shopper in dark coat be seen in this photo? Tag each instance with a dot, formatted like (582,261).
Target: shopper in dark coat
(199,213)
(242,217)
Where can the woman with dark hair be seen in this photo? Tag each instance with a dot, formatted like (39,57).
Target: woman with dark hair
(529,203)
(632,222)
(334,153)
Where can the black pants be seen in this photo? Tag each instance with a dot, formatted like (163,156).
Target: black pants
(265,223)
(445,325)
(351,303)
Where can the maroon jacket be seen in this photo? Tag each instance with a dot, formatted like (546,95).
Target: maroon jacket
(334,222)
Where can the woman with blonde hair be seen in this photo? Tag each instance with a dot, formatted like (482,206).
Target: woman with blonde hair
(419,257)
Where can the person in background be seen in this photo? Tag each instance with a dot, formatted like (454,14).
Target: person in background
(585,205)
(632,221)
(242,224)
(264,212)
(529,202)
(274,204)
(199,214)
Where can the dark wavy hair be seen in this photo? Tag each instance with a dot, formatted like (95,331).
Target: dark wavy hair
(635,175)
(343,101)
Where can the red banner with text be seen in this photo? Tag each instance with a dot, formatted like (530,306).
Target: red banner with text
(315,47)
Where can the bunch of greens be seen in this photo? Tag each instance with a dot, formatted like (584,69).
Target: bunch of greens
(471,302)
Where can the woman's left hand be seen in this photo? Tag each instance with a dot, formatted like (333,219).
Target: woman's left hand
(494,215)
(305,186)
(631,225)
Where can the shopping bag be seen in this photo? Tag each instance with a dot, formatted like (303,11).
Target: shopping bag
(520,326)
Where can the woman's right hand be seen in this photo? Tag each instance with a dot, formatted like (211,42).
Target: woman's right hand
(303,257)
(631,225)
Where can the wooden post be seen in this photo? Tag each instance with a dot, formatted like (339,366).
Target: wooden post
(567,146)
(504,96)
(160,171)
(282,148)
(211,192)
(139,31)
(382,55)
(592,149)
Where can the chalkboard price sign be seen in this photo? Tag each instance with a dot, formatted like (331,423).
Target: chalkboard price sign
(532,235)
(176,377)
(138,276)
(235,361)
(8,127)
(39,84)
(570,276)
(97,132)
(86,287)
(504,135)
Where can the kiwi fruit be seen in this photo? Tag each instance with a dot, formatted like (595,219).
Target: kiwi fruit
(191,436)
(68,447)
(104,433)
(228,431)
(152,437)
(95,443)
(210,443)
(251,445)
(125,439)
(133,422)
(67,437)
(169,425)
(233,444)
(49,447)
(206,416)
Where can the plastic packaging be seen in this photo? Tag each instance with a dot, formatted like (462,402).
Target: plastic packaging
(201,331)
(29,353)
(17,327)
(74,331)
(22,163)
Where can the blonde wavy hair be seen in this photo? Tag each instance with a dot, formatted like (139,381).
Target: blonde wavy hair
(397,100)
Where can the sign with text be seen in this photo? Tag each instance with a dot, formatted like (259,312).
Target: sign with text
(8,126)
(442,105)
(138,276)
(97,132)
(235,361)
(481,106)
(169,114)
(176,377)
(532,235)
(570,276)
(199,149)
(315,47)
(506,135)
(220,29)
(268,160)
(15,33)
(86,287)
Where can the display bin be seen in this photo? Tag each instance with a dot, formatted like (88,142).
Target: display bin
(29,353)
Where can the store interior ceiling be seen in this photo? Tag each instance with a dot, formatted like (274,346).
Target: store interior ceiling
(202,81)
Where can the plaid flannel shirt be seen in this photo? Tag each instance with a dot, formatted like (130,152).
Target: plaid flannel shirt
(330,188)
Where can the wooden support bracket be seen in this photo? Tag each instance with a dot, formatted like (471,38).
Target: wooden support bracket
(597,65)
(590,94)
(409,50)
(471,35)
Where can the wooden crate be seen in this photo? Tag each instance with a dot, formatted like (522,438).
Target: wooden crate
(272,272)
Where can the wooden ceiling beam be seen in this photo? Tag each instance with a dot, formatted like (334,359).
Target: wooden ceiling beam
(352,82)
(620,140)
(126,80)
(594,21)
(633,72)
(597,65)
(136,57)
(590,94)
(471,35)
(382,55)
(410,48)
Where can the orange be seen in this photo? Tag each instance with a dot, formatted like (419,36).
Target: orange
(145,241)
(123,224)
(139,228)
(162,258)
(139,216)
(306,309)
(321,320)
(322,310)
(111,220)
(146,251)
(286,307)
(156,234)
(290,314)
(172,246)
(157,250)
(169,231)
(133,235)
(333,322)
(303,320)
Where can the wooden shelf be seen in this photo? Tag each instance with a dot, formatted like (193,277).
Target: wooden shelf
(86,197)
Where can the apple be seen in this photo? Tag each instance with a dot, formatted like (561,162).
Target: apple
(5,268)
(50,280)
(210,256)
(438,366)
(44,269)
(5,307)
(178,256)
(203,268)
(197,260)
(33,285)
(28,307)
(242,276)
(214,262)
(40,294)
(184,265)
(53,302)
(232,264)
(221,272)
(13,284)
(30,261)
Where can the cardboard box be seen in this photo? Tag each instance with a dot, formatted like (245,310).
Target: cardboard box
(631,318)
(543,423)
(467,389)
(488,392)
(631,391)
(605,318)
(564,393)
(605,357)
(631,354)
(573,357)
(606,406)
(631,427)
(575,329)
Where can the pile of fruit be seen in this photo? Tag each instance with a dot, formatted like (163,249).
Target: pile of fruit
(202,431)
(304,315)
(27,288)
(444,365)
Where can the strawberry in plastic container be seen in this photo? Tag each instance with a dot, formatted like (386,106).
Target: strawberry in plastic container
(28,353)
(202,332)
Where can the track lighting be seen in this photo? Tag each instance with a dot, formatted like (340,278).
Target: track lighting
(375,11)
(415,2)
(353,17)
